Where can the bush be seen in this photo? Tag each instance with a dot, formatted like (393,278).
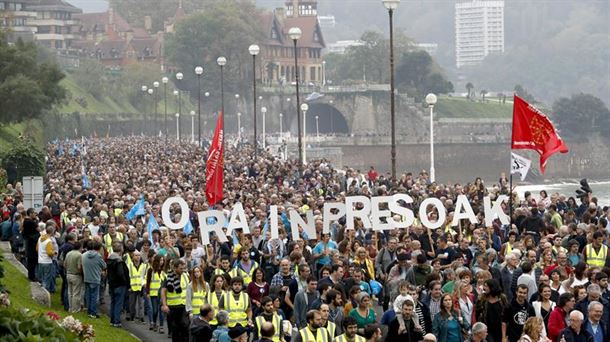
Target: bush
(24,159)
(23,325)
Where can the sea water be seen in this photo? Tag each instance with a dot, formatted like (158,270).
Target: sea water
(601,190)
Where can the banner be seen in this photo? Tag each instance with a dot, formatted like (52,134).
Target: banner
(519,165)
(214,177)
(534,131)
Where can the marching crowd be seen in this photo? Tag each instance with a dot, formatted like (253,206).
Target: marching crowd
(544,277)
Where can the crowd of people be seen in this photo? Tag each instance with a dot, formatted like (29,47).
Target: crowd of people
(542,278)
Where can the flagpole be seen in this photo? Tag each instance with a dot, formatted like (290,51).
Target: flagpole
(510,199)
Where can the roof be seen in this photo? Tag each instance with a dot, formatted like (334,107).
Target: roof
(140,45)
(98,21)
(309,26)
(54,5)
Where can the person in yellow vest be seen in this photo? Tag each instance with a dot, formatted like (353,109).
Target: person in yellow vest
(313,332)
(237,303)
(154,277)
(331,327)
(136,280)
(173,299)
(224,266)
(244,267)
(196,292)
(268,315)
(596,252)
(112,236)
(350,326)
(215,297)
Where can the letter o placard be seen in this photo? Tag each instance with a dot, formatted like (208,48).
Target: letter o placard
(184,208)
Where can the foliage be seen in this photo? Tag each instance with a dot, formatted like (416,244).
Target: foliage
(91,77)
(159,11)
(581,114)
(24,325)
(416,74)
(2,289)
(23,159)
(226,29)
(27,87)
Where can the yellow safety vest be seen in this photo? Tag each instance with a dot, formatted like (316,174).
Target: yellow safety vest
(197,300)
(509,249)
(108,240)
(331,327)
(176,299)
(135,276)
(596,259)
(155,283)
(212,299)
(247,276)
(219,271)
(237,309)
(277,325)
(307,335)
(343,338)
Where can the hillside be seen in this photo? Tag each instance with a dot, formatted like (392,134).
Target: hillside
(458,107)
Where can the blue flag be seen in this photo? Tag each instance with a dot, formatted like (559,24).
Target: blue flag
(188,228)
(152,225)
(86,183)
(137,210)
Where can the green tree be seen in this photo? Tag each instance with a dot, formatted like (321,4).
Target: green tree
(27,87)
(224,29)
(24,159)
(418,74)
(522,93)
(91,76)
(483,93)
(581,114)
(469,87)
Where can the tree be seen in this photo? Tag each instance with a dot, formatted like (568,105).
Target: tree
(23,159)
(469,87)
(581,114)
(91,76)
(417,73)
(483,93)
(27,87)
(522,93)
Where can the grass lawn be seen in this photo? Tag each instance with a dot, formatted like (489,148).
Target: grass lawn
(10,133)
(454,107)
(19,288)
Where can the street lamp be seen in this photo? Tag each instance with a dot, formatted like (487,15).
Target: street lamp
(264,111)
(164,80)
(144,90)
(205,122)
(304,108)
(281,119)
(391,5)
(192,126)
(254,50)
(150,92)
(221,61)
(431,101)
(156,85)
(177,94)
(179,77)
(178,126)
(295,34)
(317,129)
(238,127)
(199,72)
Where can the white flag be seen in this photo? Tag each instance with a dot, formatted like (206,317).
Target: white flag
(519,165)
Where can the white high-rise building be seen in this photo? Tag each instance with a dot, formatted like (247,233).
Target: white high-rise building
(479,30)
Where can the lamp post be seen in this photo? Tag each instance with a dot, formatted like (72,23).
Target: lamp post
(391,5)
(205,122)
(281,122)
(431,101)
(264,111)
(317,129)
(295,34)
(156,85)
(221,61)
(199,72)
(177,94)
(164,80)
(192,126)
(179,77)
(238,127)
(254,50)
(150,92)
(144,90)
(178,126)
(304,108)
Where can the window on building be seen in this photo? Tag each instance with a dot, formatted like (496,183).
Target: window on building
(58,44)
(44,29)
(316,36)
(2,7)
(312,73)
(274,34)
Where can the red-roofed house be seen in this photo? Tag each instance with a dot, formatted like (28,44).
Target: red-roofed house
(277,52)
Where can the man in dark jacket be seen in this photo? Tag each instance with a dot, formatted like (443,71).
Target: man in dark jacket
(515,315)
(575,332)
(200,328)
(118,282)
(402,328)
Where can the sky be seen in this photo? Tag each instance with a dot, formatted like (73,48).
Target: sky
(90,5)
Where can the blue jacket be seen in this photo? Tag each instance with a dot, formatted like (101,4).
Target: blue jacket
(439,327)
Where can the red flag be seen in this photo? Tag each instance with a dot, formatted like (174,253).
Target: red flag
(214,176)
(534,131)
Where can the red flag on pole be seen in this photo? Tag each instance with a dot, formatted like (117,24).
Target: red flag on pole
(534,131)
(214,175)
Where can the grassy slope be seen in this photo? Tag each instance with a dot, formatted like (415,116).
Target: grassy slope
(19,288)
(452,107)
(9,133)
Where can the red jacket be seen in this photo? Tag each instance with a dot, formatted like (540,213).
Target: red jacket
(557,322)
